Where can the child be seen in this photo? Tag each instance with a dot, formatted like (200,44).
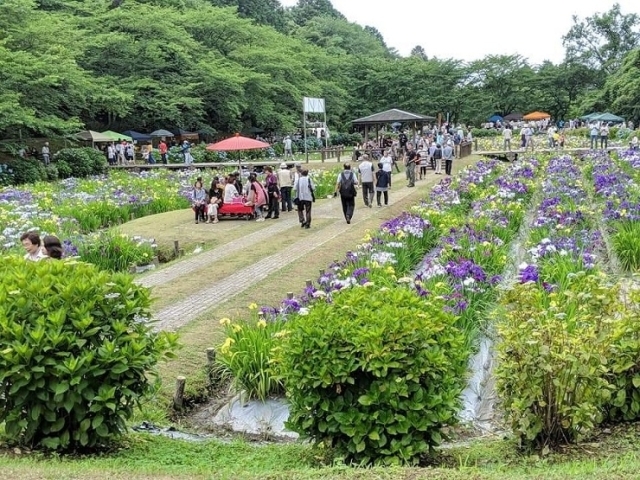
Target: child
(212,208)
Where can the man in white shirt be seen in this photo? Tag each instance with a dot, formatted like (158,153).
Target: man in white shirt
(366,179)
(506,135)
(285,182)
(387,161)
(31,243)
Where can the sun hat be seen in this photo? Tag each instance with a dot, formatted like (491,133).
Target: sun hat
(283,165)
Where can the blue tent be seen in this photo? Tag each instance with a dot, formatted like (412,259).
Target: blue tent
(495,119)
(137,136)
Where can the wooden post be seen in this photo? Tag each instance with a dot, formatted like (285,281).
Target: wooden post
(181,252)
(176,247)
(133,216)
(309,283)
(339,153)
(178,397)
(475,144)
(321,271)
(290,295)
(211,360)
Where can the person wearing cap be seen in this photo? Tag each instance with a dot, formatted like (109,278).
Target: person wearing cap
(285,181)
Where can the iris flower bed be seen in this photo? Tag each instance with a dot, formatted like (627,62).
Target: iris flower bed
(564,235)
(79,211)
(616,188)
(569,331)
(467,264)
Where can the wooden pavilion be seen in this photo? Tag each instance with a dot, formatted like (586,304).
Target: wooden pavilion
(389,117)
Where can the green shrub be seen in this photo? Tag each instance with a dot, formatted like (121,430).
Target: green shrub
(76,353)
(485,132)
(114,251)
(375,374)
(624,364)
(64,169)
(346,139)
(553,355)
(246,356)
(52,172)
(27,170)
(626,244)
(83,162)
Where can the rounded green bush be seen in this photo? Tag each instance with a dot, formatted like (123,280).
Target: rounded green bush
(375,374)
(83,162)
(27,170)
(76,353)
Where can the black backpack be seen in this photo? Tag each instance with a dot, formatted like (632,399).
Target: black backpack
(347,184)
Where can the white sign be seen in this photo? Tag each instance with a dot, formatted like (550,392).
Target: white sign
(313,105)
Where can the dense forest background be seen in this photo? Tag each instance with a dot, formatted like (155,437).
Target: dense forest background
(226,65)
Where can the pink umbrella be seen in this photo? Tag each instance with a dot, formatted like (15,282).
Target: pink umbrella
(238,142)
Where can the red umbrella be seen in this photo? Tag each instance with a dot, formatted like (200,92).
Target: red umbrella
(237,143)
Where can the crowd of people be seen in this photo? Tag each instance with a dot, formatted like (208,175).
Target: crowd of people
(278,192)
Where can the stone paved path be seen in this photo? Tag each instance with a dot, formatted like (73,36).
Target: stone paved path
(184,311)
(210,257)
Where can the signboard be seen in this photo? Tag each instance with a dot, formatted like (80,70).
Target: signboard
(313,105)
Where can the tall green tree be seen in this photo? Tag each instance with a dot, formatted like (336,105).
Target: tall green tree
(622,89)
(602,40)
(306,10)
(265,12)
(505,82)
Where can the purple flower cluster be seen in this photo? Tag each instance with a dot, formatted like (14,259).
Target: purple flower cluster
(408,223)
(619,190)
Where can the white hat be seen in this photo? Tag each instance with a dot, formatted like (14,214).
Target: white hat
(283,165)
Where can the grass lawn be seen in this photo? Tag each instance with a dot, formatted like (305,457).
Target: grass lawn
(613,456)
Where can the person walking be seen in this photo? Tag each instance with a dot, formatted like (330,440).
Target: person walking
(447,156)
(383,184)
(366,180)
(412,158)
(346,186)
(437,156)
(288,147)
(306,197)
(285,181)
(162,148)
